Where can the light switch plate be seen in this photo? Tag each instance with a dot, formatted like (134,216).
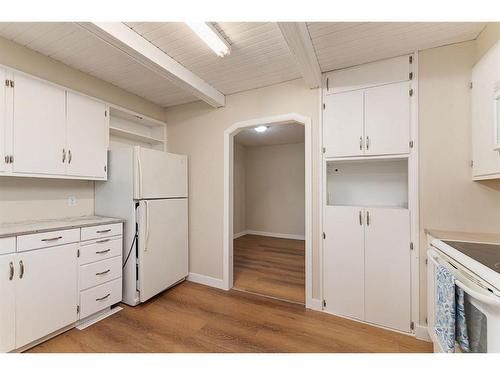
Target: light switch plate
(72,201)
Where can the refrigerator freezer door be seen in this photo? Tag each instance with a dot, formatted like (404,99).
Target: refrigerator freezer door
(163,245)
(159,174)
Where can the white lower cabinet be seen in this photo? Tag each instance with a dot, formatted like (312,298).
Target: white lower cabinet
(367,264)
(8,303)
(46,293)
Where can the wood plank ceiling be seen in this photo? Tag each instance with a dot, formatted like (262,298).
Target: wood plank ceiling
(259,54)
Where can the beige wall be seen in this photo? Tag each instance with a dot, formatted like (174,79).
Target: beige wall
(30,198)
(449,199)
(239,197)
(275,189)
(197,130)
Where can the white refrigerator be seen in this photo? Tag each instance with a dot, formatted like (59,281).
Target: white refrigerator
(149,189)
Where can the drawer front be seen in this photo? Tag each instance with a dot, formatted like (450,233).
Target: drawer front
(97,273)
(101,231)
(7,245)
(100,297)
(47,239)
(100,250)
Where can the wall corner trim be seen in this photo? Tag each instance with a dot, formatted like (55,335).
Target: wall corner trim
(422,333)
(314,304)
(206,280)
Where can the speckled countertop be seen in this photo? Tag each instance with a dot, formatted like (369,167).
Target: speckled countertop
(493,238)
(35,226)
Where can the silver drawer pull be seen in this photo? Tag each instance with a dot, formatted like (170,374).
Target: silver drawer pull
(103,231)
(52,239)
(103,251)
(11,273)
(21,267)
(102,298)
(102,241)
(102,273)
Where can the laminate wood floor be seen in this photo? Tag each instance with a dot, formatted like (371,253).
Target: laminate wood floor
(196,318)
(270,266)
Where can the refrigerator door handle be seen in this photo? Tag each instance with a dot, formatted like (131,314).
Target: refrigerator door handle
(147,226)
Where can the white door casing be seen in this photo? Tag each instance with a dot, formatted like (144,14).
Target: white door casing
(8,303)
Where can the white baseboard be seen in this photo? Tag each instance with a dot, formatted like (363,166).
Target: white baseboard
(314,304)
(277,235)
(422,333)
(206,280)
(240,234)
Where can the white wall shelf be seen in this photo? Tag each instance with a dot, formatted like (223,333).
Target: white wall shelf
(134,136)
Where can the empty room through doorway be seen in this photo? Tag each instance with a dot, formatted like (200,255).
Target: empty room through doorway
(269,211)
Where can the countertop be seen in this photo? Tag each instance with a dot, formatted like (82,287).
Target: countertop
(493,238)
(35,226)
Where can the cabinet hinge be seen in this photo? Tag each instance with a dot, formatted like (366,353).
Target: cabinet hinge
(471,85)
(6,159)
(11,159)
(106,113)
(78,309)
(410,76)
(324,150)
(78,253)
(472,163)
(7,83)
(410,92)
(411,245)
(411,144)
(324,105)
(411,59)
(11,83)
(426,321)
(105,168)
(324,235)
(412,326)
(324,303)
(426,262)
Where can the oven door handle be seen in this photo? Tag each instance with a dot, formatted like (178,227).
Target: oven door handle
(491,301)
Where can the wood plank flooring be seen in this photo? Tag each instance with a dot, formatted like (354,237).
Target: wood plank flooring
(270,266)
(195,318)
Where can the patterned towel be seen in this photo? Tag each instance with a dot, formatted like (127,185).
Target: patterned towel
(461,334)
(445,309)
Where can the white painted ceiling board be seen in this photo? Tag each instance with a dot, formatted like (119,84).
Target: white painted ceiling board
(274,135)
(340,45)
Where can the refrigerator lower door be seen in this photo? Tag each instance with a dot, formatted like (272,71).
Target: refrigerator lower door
(159,174)
(163,245)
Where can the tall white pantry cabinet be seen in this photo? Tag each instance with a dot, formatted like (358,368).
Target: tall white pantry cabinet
(369,178)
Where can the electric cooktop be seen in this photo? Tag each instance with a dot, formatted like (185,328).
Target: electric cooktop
(486,254)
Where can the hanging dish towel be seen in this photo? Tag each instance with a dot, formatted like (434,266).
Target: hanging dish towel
(461,334)
(445,309)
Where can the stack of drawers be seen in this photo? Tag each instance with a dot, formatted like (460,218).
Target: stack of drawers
(100,268)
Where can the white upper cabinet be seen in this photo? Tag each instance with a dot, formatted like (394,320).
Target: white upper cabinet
(39,126)
(87,128)
(387,119)
(48,131)
(343,119)
(485,115)
(367,109)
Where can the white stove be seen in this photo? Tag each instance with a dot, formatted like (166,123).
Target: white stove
(476,267)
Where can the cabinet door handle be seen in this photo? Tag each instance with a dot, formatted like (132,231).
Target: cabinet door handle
(367,217)
(103,231)
(103,251)
(367,142)
(11,273)
(360,143)
(102,241)
(69,157)
(51,239)
(102,273)
(64,155)
(21,268)
(360,218)
(102,298)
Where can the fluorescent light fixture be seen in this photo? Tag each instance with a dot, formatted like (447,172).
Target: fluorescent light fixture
(209,34)
(261,129)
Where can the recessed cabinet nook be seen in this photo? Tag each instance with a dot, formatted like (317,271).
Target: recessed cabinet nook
(369,211)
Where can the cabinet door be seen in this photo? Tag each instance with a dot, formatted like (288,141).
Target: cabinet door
(46,294)
(7,305)
(387,119)
(343,124)
(39,133)
(87,134)
(343,261)
(387,267)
